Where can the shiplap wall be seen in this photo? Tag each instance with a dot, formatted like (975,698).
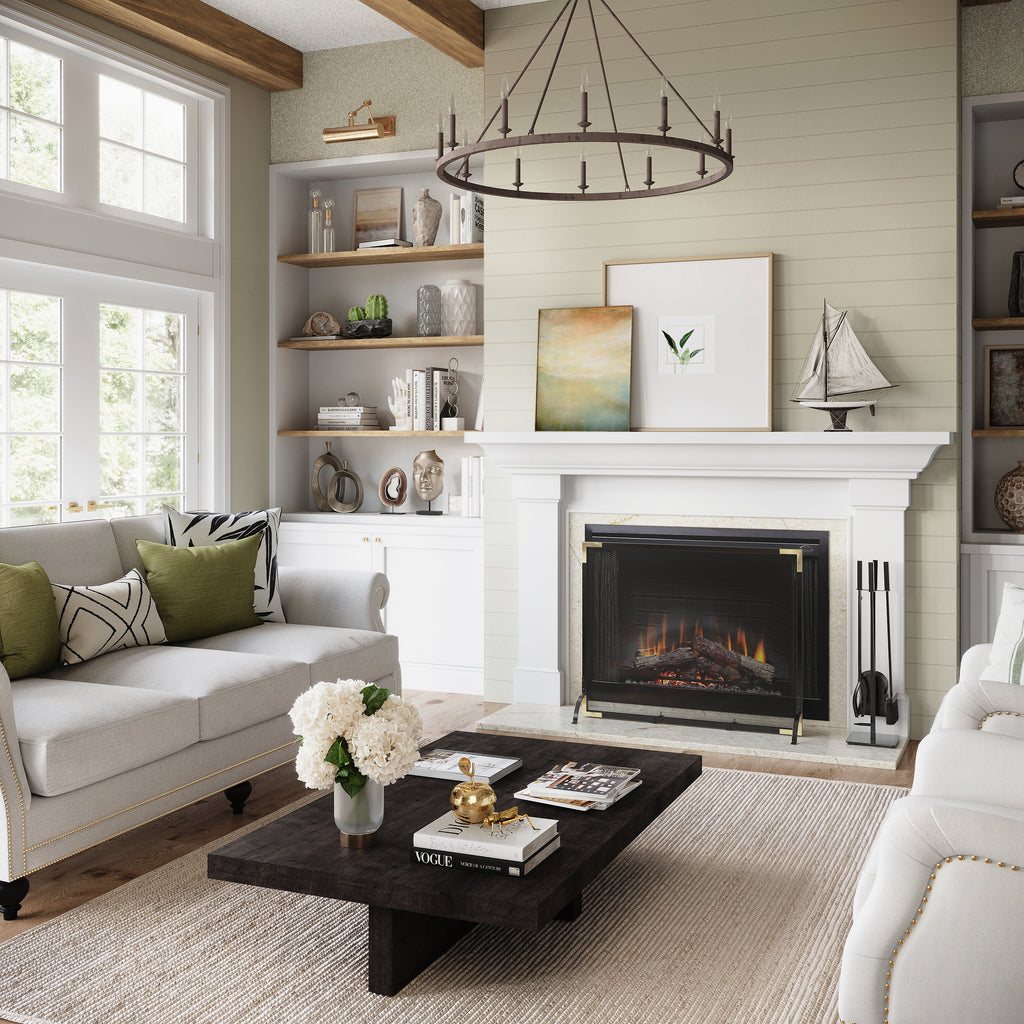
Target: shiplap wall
(845,120)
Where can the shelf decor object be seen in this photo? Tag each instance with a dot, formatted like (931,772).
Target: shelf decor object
(426,218)
(429,311)
(1010,499)
(375,128)
(1015,300)
(330,460)
(316,223)
(1004,386)
(376,215)
(638,182)
(458,298)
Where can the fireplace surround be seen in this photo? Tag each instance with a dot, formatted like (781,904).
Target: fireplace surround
(860,479)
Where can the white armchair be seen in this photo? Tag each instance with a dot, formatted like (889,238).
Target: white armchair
(939,908)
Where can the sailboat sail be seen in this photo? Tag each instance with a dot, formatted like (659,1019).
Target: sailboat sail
(837,363)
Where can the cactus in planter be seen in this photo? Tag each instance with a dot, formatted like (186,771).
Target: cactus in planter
(376,307)
(357,313)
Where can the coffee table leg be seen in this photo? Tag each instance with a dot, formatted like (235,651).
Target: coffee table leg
(403,943)
(571,910)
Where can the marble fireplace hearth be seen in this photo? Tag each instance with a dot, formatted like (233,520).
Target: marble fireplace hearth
(857,485)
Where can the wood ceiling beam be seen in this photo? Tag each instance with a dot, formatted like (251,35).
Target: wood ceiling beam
(207,34)
(455,27)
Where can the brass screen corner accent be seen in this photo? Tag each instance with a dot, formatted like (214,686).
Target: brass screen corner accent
(587,545)
(798,552)
(799,728)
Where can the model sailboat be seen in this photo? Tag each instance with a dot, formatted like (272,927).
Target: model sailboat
(837,365)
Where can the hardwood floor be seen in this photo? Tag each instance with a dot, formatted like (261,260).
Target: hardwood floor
(93,872)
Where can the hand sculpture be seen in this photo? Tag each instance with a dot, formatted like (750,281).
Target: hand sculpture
(399,404)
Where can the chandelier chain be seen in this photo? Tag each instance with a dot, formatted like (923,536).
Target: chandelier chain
(608,94)
(554,63)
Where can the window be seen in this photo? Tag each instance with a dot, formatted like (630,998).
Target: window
(112,277)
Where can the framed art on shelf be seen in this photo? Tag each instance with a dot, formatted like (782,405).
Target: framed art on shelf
(702,340)
(1004,386)
(376,215)
(583,358)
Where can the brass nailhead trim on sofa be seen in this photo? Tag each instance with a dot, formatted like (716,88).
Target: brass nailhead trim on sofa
(21,804)
(920,911)
(996,714)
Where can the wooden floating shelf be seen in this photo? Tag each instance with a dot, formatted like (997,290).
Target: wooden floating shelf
(370,433)
(337,344)
(998,323)
(399,254)
(998,432)
(1012,217)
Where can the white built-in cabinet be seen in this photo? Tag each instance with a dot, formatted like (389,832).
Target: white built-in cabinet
(434,563)
(991,554)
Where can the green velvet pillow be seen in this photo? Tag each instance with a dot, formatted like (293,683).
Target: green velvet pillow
(29,638)
(202,591)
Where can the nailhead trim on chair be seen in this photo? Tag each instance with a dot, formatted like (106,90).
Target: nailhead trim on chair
(996,714)
(920,911)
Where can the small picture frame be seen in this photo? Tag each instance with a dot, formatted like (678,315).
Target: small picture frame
(1004,386)
(376,215)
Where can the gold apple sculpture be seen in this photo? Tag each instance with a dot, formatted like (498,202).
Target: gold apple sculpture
(472,801)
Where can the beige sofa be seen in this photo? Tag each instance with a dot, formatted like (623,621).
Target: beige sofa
(88,751)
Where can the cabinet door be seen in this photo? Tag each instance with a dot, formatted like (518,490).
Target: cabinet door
(436,607)
(337,546)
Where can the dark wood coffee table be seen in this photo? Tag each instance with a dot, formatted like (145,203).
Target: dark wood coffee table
(416,911)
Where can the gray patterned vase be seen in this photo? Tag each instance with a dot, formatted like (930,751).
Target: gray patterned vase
(429,311)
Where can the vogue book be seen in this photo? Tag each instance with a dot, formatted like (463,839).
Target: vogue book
(488,865)
(516,841)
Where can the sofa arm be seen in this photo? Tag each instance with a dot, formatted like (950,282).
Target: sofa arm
(15,796)
(970,766)
(981,704)
(333,597)
(955,929)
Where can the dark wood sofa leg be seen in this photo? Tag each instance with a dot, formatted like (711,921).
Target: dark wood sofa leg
(237,795)
(11,895)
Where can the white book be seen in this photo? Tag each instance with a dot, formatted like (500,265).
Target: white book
(515,841)
(419,400)
(465,487)
(454,213)
(471,219)
(408,396)
(444,764)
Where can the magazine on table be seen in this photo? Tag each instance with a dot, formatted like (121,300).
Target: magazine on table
(488,865)
(578,805)
(514,841)
(583,781)
(444,764)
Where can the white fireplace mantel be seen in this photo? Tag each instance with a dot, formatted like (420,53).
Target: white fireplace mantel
(862,478)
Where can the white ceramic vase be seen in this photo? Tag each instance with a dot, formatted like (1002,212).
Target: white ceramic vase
(358,817)
(458,299)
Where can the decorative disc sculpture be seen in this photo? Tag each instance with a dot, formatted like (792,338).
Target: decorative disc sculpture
(394,485)
(339,484)
(327,459)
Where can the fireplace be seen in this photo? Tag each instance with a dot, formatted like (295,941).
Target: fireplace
(724,626)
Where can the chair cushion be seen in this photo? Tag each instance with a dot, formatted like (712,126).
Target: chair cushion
(201,591)
(97,620)
(232,690)
(29,640)
(331,652)
(80,732)
(197,529)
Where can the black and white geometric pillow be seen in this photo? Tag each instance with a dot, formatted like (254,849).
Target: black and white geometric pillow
(104,618)
(198,529)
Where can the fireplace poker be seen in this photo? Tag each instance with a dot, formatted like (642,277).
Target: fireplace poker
(873,678)
(892,709)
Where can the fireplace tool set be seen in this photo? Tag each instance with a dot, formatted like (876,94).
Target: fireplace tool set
(873,692)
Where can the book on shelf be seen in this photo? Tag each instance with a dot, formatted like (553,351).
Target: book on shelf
(471,218)
(488,865)
(583,781)
(516,841)
(472,486)
(318,337)
(569,803)
(348,426)
(454,217)
(1012,201)
(384,243)
(444,764)
(347,410)
(328,417)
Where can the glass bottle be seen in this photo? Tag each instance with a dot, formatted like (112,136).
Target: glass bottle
(328,245)
(316,223)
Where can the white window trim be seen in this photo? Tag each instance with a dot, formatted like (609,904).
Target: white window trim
(37,230)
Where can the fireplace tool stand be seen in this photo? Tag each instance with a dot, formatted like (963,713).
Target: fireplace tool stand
(873,691)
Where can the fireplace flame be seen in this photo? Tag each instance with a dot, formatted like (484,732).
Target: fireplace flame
(656,640)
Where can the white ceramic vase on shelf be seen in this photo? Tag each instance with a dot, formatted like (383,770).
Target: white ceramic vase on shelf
(458,298)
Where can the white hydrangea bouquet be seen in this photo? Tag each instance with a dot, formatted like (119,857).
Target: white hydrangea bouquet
(351,732)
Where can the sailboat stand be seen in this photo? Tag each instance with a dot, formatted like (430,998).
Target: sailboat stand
(836,366)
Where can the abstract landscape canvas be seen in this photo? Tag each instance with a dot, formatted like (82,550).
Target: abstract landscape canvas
(583,363)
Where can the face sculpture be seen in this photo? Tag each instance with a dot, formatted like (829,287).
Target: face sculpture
(428,475)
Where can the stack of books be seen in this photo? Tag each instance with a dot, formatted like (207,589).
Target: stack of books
(1011,201)
(582,787)
(444,764)
(347,417)
(473,486)
(514,850)
(426,395)
(384,243)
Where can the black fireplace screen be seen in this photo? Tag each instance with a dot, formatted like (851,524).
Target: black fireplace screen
(723,623)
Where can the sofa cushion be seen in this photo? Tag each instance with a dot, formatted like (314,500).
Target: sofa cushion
(202,591)
(1006,657)
(29,641)
(97,620)
(197,529)
(81,732)
(231,690)
(331,652)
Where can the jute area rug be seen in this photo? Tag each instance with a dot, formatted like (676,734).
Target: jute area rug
(732,907)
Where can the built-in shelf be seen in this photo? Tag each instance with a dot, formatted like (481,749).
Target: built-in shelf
(998,323)
(370,433)
(998,218)
(337,344)
(998,432)
(401,254)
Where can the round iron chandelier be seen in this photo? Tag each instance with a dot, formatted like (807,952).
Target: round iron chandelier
(709,146)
